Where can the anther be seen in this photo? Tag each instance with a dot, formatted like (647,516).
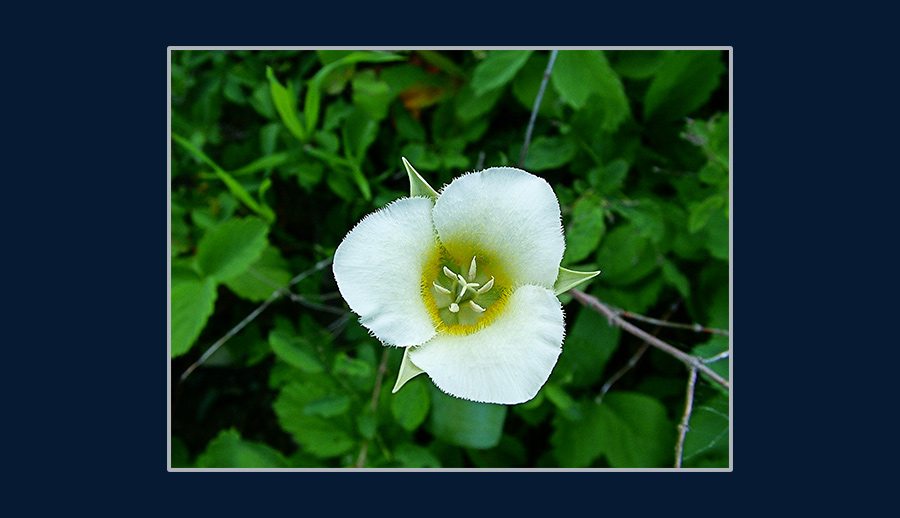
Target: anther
(476,307)
(487,286)
(449,273)
(441,289)
(472,270)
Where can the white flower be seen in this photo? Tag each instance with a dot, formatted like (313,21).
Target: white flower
(465,280)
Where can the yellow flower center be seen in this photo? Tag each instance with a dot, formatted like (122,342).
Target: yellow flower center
(462,298)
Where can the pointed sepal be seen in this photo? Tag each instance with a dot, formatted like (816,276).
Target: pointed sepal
(417,185)
(408,371)
(568,279)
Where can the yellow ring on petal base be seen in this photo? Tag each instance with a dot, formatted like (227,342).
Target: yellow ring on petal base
(460,284)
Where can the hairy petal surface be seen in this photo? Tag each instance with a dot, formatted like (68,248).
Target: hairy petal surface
(506,362)
(508,214)
(378,269)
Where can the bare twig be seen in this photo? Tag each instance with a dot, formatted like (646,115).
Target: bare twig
(234,330)
(614,319)
(373,405)
(686,418)
(537,104)
(693,327)
(634,359)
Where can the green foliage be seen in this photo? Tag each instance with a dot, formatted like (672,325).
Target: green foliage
(276,155)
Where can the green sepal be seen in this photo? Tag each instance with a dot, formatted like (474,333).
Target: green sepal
(417,185)
(408,371)
(568,279)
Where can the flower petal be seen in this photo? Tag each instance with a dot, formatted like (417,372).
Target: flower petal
(505,362)
(378,269)
(504,213)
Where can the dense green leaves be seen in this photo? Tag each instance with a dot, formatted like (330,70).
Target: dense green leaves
(277,154)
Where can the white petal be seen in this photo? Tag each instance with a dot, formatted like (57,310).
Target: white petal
(505,214)
(378,269)
(505,362)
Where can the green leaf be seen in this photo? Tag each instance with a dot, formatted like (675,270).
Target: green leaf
(296,351)
(232,247)
(682,83)
(579,74)
(708,432)
(229,450)
(233,185)
(316,435)
(635,432)
(577,443)
(626,256)
(328,406)
(589,345)
(314,91)
(568,279)
(371,95)
(584,231)
(677,279)
(286,105)
(267,274)
(417,185)
(410,406)
(192,304)
(549,153)
(413,456)
(470,106)
(497,69)
(466,423)
(701,212)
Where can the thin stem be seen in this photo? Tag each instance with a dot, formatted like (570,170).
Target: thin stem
(373,405)
(634,359)
(686,418)
(537,104)
(614,319)
(694,327)
(249,318)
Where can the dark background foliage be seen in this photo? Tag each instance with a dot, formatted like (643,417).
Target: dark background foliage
(275,155)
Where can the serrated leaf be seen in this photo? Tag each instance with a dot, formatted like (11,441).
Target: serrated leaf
(192,304)
(410,406)
(229,450)
(231,248)
(635,431)
(497,69)
(466,423)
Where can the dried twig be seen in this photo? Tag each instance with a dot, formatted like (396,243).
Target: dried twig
(537,104)
(692,362)
(686,418)
(693,327)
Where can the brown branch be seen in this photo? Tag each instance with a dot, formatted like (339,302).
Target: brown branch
(692,362)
